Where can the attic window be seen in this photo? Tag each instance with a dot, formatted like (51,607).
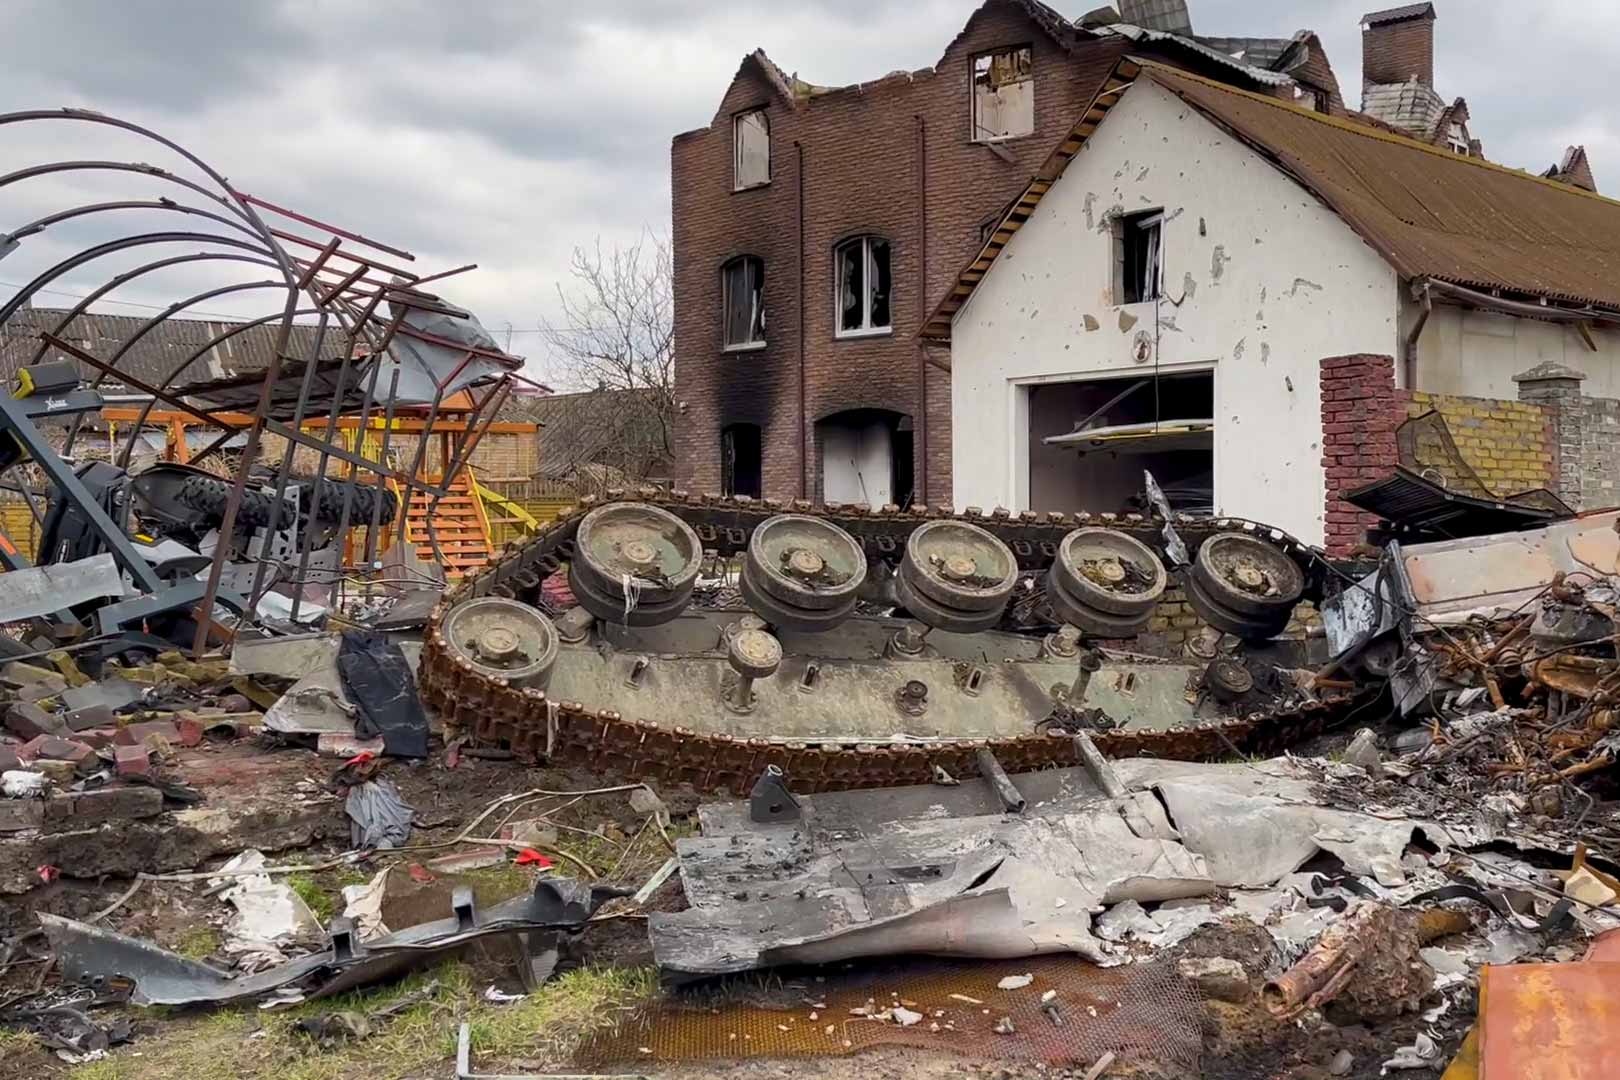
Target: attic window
(1457,139)
(1137,243)
(751,148)
(1003,95)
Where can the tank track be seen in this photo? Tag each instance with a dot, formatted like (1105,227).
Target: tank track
(537,728)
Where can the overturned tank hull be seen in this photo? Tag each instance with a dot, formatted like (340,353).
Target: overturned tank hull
(640,681)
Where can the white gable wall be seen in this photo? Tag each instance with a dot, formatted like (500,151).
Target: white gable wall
(1271,282)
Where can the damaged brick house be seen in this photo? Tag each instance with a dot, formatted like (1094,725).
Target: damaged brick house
(1249,297)
(815,226)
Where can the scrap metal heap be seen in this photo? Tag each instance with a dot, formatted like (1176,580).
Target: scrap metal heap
(638,680)
(357,343)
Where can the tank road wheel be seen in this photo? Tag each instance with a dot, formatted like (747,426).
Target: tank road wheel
(802,573)
(639,550)
(955,577)
(503,639)
(1244,586)
(1105,582)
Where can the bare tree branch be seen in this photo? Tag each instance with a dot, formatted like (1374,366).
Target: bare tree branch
(615,331)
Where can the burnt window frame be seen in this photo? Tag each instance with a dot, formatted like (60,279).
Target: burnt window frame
(737,119)
(867,328)
(758,320)
(1129,228)
(974,130)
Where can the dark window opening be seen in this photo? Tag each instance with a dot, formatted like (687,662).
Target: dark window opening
(1091,441)
(864,285)
(1137,270)
(745,301)
(741,464)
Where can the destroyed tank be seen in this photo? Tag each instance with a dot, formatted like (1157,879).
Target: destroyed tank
(642,680)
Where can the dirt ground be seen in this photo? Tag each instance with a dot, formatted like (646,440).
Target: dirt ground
(605,974)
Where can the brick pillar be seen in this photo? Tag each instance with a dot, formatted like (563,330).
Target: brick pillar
(1557,389)
(1360,411)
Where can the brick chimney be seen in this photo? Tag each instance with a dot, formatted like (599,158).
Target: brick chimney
(1397,45)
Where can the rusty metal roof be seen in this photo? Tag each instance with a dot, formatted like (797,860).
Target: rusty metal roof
(156,357)
(1429,212)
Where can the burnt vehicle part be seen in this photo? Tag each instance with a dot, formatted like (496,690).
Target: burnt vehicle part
(1243,586)
(102,959)
(844,709)
(351,338)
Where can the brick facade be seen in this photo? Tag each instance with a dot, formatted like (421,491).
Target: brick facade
(891,158)
(1508,444)
(1360,412)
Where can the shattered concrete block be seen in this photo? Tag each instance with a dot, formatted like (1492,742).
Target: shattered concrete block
(92,716)
(1217,977)
(26,720)
(107,804)
(132,761)
(19,814)
(9,759)
(1363,751)
(55,748)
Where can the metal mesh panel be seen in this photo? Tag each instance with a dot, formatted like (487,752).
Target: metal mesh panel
(1145,1014)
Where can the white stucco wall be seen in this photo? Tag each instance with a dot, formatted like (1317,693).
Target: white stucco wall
(1273,282)
(1477,353)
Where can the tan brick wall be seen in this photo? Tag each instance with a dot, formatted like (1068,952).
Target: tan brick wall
(1507,443)
(1175,621)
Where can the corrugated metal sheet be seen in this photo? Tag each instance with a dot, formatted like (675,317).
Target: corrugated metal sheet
(159,352)
(1431,213)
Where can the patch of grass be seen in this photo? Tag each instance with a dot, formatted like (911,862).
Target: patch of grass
(198,942)
(311,893)
(552,1023)
(248,1044)
(492,884)
(16,1045)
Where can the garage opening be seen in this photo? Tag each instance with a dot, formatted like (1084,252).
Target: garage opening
(1090,441)
(866,457)
(740,461)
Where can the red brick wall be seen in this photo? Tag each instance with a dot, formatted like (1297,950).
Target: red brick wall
(1395,52)
(892,157)
(1360,411)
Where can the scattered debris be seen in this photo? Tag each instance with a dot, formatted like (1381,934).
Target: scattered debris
(1015,982)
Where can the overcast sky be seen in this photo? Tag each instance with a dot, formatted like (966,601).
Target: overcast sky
(506,133)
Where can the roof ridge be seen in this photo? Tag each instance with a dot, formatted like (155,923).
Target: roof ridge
(1153,67)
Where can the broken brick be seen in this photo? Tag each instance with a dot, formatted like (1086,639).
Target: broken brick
(105,804)
(132,761)
(9,759)
(97,738)
(26,720)
(138,734)
(60,773)
(54,748)
(189,729)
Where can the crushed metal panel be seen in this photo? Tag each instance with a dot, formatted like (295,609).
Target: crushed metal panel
(1452,581)
(42,590)
(837,885)
(285,657)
